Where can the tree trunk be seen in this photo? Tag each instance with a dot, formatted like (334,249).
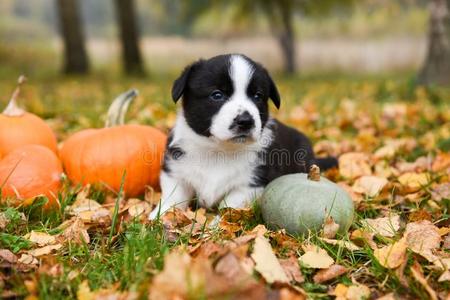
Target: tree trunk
(129,37)
(436,69)
(286,39)
(75,57)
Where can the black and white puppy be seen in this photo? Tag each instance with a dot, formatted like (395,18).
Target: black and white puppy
(225,148)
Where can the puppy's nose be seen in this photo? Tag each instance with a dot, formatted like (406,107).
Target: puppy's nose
(243,121)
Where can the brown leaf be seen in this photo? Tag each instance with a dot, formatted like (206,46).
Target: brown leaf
(76,232)
(365,236)
(353,292)
(267,263)
(292,269)
(354,164)
(441,162)
(422,238)
(417,273)
(8,256)
(392,256)
(40,238)
(441,191)
(330,273)
(330,228)
(28,259)
(45,250)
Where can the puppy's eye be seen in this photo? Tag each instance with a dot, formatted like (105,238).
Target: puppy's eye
(217,96)
(258,96)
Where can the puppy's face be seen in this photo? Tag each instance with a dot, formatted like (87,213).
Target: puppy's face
(226,97)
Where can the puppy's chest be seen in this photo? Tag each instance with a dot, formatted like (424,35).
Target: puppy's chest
(213,174)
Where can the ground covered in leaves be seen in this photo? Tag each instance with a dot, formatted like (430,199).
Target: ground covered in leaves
(392,140)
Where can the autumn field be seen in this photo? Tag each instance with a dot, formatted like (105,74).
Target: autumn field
(392,139)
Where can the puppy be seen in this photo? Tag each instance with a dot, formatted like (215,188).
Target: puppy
(225,148)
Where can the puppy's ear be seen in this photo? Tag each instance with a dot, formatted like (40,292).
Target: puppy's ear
(273,93)
(179,84)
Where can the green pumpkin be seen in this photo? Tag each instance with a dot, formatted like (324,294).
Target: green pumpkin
(300,204)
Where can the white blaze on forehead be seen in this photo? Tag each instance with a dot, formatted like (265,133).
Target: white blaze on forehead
(241,72)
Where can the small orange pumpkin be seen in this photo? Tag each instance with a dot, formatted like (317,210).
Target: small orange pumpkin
(104,155)
(18,128)
(28,172)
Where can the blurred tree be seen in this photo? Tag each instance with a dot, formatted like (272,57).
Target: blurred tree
(129,36)
(436,69)
(75,57)
(280,15)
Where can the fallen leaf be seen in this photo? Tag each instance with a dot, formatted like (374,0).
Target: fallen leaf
(341,243)
(385,226)
(365,236)
(392,256)
(354,164)
(28,259)
(412,182)
(266,263)
(417,273)
(441,162)
(316,258)
(45,250)
(444,276)
(40,238)
(330,273)
(76,232)
(330,228)
(292,269)
(441,191)
(422,238)
(369,185)
(8,256)
(353,292)
(389,296)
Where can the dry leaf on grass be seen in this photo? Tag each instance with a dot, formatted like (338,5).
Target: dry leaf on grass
(266,263)
(330,228)
(417,273)
(369,185)
(45,250)
(361,236)
(292,269)
(422,238)
(385,226)
(341,243)
(330,273)
(76,232)
(354,164)
(8,256)
(444,276)
(441,162)
(40,238)
(440,192)
(353,292)
(316,258)
(412,182)
(28,259)
(392,256)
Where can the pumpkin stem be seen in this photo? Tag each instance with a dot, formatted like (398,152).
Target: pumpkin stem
(119,107)
(314,173)
(12,109)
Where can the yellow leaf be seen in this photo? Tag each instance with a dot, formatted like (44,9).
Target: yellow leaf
(369,185)
(385,226)
(392,256)
(266,263)
(40,238)
(316,258)
(412,182)
(354,164)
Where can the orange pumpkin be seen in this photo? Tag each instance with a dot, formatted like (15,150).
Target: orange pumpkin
(28,172)
(104,155)
(18,128)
